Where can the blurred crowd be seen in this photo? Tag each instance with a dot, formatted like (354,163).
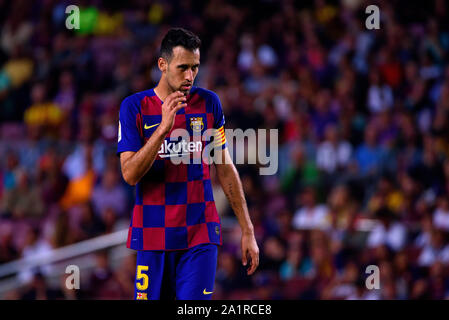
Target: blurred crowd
(363,120)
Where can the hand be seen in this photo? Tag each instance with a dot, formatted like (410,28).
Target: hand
(171,105)
(249,247)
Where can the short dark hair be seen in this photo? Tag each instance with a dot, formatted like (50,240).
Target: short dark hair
(178,37)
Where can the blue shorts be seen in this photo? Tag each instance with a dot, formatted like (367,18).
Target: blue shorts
(181,274)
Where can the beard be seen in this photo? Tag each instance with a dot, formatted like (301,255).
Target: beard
(185,92)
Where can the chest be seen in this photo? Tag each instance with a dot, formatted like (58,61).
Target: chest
(193,120)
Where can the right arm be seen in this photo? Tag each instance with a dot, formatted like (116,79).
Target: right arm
(136,164)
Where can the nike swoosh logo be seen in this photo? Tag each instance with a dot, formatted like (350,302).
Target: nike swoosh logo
(207,292)
(148,127)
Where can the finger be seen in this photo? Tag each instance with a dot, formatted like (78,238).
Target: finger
(178,106)
(176,101)
(176,95)
(171,96)
(244,257)
(252,268)
(254,262)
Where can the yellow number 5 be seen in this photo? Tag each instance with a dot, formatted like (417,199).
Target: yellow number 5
(143,276)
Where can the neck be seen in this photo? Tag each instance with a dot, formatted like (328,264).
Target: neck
(162,90)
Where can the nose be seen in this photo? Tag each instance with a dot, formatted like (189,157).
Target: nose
(189,75)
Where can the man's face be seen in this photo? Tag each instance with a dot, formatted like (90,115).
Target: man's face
(182,69)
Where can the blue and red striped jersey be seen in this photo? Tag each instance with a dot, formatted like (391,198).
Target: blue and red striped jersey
(174,206)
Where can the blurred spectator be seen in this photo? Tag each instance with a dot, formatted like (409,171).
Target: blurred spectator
(311,215)
(50,177)
(295,265)
(441,214)
(17,29)
(125,276)
(18,69)
(387,231)
(102,282)
(24,200)
(369,154)
(380,95)
(343,209)
(12,169)
(8,251)
(272,255)
(80,188)
(109,217)
(86,154)
(63,234)
(322,115)
(38,289)
(90,224)
(35,248)
(110,194)
(230,276)
(343,286)
(65,98)
(435,250)
(42,114)
(332,153)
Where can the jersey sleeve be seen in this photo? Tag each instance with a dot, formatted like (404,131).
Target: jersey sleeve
(219,121)
(129,138)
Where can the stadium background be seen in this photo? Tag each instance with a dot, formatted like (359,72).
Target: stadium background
(363,126)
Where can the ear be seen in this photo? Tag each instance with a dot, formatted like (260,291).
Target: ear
(162,64)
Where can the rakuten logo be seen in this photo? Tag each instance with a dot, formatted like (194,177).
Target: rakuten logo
(181,148)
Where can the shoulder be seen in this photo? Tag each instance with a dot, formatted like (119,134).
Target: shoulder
(135,98)
(205,93)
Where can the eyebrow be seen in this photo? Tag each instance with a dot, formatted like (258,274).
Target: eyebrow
(187,65)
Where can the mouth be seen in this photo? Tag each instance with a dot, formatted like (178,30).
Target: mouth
(186,87)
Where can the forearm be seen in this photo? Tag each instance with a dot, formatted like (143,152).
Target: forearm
(232,187)
(136,166)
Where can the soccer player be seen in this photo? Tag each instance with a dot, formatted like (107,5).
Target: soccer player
(175,227)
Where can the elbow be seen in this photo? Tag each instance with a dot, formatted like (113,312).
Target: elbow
(131,183)
(129,180)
